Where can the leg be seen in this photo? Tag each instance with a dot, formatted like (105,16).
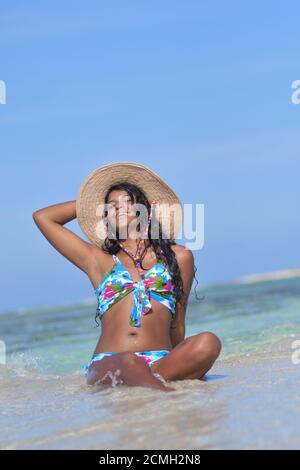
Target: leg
(133,371)
(190,359)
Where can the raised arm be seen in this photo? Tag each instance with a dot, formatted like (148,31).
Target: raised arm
(50,220)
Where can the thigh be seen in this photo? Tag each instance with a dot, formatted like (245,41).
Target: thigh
(105,365)
(167,365)
(190,359)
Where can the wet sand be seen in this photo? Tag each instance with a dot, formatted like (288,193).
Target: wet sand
(251,402)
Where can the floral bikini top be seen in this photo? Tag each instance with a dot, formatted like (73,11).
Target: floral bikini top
(117,283)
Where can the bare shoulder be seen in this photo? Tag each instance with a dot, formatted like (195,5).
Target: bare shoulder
(183,255)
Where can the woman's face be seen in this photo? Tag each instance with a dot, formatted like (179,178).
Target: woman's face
(119,207)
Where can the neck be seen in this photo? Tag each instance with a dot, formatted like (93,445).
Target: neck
(132,244)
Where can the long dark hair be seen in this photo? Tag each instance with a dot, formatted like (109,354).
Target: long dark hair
(161,246)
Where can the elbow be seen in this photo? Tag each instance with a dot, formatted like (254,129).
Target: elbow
(36,215)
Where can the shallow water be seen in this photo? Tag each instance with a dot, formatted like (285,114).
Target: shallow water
(63,413)
(249,400)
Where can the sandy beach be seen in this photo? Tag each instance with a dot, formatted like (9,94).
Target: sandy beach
(245,403)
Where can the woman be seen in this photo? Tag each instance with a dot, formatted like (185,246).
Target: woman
(143,280)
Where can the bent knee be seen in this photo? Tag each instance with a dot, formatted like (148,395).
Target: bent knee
(209,344)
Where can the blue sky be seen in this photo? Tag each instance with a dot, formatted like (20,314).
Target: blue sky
(198,91)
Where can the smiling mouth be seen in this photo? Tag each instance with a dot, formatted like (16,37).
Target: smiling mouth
(122,217)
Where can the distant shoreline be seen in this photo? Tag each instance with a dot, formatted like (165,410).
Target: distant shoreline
(269,276)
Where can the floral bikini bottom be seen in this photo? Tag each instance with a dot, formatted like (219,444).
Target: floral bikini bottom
(149,356)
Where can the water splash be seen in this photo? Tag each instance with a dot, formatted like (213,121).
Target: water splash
(113,377)
(159,377)
(22,364)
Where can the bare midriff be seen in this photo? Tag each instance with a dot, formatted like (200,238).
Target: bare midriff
(119,336)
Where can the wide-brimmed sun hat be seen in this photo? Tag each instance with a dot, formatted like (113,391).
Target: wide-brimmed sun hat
(90,198)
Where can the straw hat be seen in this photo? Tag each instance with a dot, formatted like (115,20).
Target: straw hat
(93,189)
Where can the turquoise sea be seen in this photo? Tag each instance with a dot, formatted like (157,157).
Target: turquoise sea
(45,402)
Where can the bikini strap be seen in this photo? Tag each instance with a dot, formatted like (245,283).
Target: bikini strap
(116,259)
